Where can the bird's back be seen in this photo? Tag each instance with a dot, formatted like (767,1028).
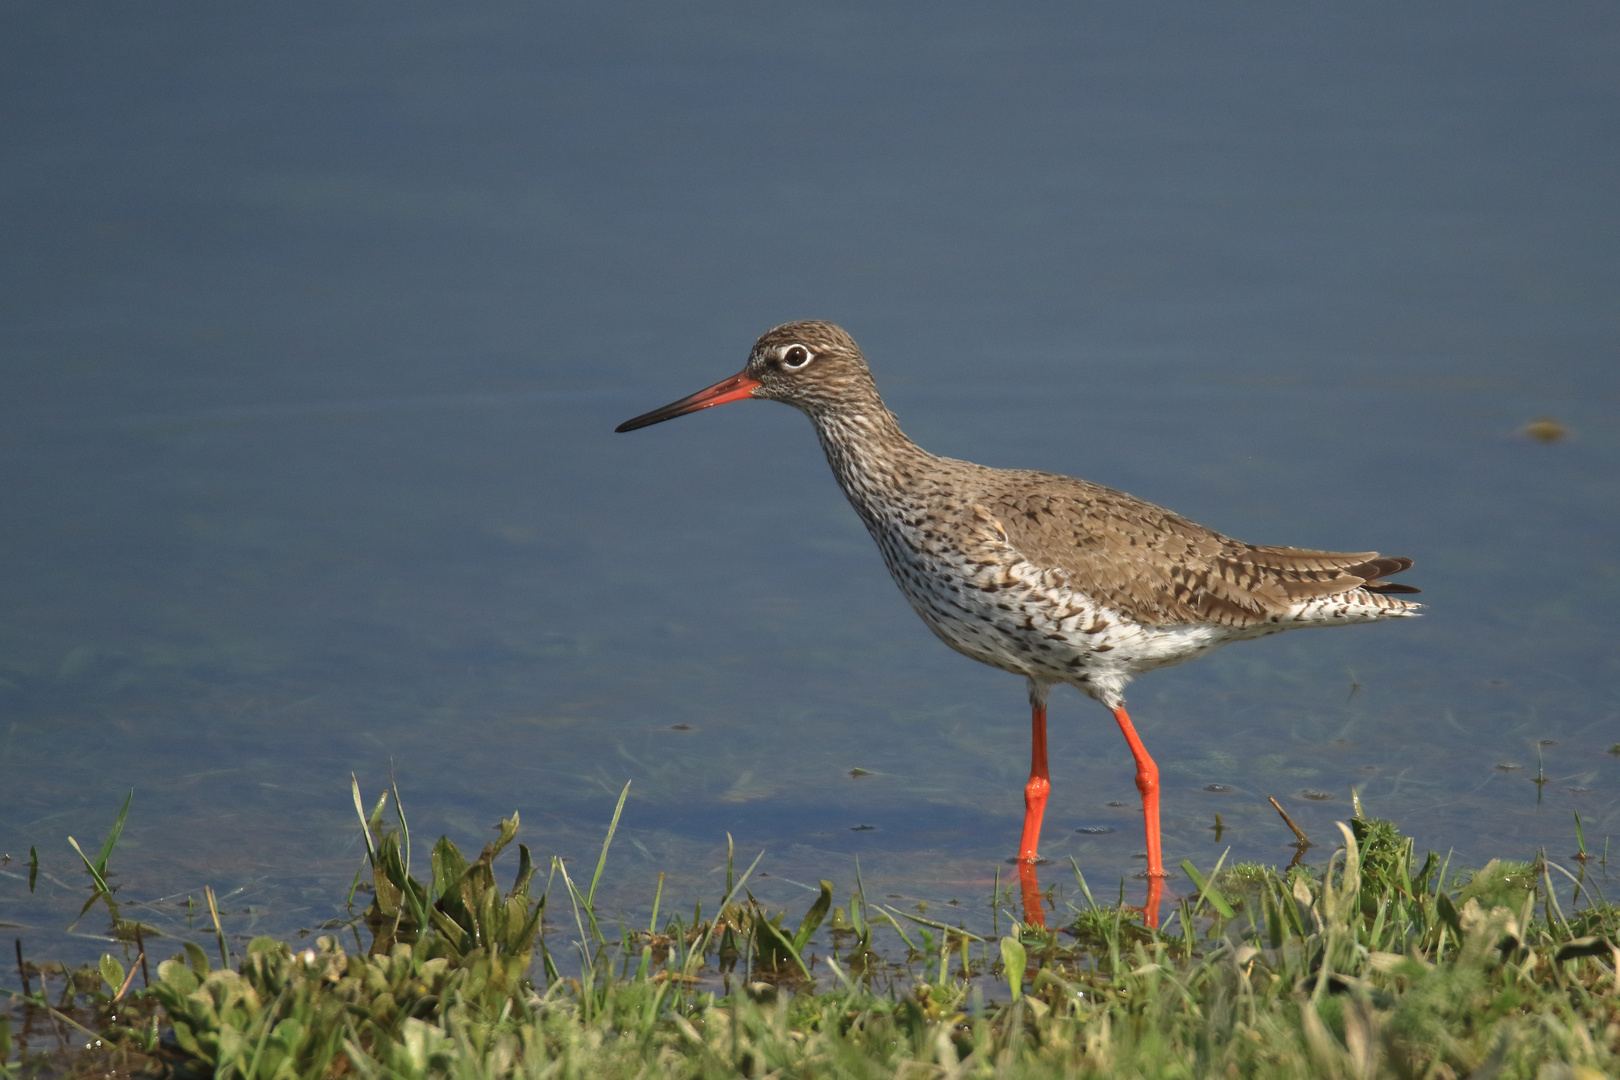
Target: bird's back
(1157,568)
(1062,579)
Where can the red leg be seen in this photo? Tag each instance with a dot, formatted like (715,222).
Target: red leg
(1147,782)
(1039,785)
(1150,906)
(1030,889)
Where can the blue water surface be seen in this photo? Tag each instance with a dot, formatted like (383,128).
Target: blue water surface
(315,323)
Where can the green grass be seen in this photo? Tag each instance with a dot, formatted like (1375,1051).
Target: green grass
(1375,964)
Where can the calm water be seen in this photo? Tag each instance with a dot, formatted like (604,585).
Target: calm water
(316,325)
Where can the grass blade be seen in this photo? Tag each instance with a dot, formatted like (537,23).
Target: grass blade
(1553,908)
(101,882)
(781,941)
(404,828)
(365,825)
(112,837)
(1013,958)
(607,841)
(1580,886)
(954,931)
(837,970)
(696,953)
(813,918)
(1206,889)
(1084,888)
(652,927)
(574,897)
(883,912)
(219,931)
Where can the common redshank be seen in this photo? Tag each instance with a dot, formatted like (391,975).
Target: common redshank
(1045,576)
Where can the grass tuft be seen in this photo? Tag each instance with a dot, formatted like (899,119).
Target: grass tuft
(1371,965)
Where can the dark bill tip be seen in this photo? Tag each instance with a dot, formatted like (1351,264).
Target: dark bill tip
(736,388)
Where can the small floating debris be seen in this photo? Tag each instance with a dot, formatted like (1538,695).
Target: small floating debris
(1217,788)
(1545,429)
(1116,802)
(1548,742)
(1508,766)
(1095,830)
(680,727)
(862,828)
(1317,796)
(1497,684)
(858,773)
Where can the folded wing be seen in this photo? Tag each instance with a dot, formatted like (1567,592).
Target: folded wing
(1158,568)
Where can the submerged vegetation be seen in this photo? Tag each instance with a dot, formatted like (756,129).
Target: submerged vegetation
(1376,964)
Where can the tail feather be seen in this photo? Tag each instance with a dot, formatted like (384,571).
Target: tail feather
(1374,569)
(1390,587)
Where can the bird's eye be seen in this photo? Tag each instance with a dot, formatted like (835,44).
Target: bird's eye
(796,357)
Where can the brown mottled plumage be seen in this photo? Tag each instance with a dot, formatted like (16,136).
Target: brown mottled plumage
(1046,576)
(1158,568)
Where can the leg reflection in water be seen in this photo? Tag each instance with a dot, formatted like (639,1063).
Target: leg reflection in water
(1029,885)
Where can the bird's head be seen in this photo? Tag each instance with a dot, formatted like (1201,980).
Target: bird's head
(811,365)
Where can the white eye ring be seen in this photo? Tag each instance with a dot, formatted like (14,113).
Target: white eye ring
(794,357)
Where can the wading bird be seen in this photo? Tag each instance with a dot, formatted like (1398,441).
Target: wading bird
(1055,579)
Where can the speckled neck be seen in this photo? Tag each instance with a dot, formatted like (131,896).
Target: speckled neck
(874,461)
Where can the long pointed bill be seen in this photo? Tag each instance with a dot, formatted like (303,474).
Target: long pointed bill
(736,388)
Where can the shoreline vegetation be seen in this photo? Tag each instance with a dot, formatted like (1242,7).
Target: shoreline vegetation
(1373,964)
